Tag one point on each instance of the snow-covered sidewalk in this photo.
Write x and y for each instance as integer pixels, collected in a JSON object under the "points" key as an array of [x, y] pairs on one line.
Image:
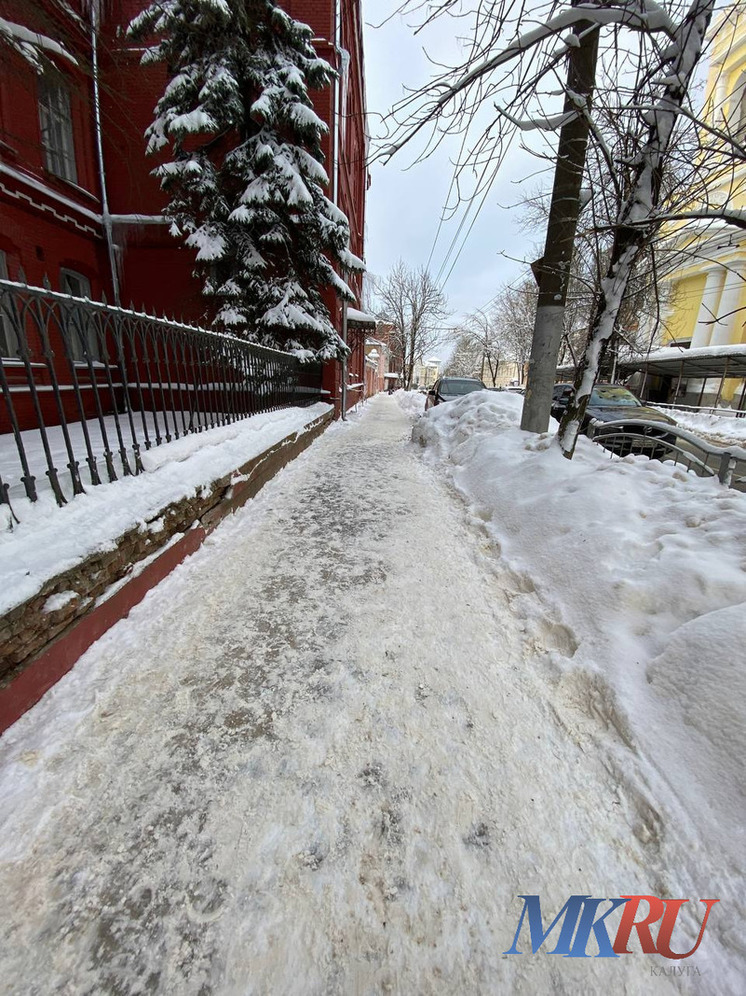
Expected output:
{"points": [[319, 759]]}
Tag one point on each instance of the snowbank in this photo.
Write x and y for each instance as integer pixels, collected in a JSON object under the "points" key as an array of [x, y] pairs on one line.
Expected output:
{"points": [[412, 402], [633, 581], [50, 540], [725, 427]]}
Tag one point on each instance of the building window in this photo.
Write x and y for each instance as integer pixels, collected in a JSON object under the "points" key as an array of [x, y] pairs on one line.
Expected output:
{"points": [[57, 130], [8, 337], [81, 328]]}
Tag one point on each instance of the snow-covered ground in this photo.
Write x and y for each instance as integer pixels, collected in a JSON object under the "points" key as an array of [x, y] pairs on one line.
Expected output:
{"points": [[48, 539], [725, 428], [328, 753], [636, 571], [11, 469]]}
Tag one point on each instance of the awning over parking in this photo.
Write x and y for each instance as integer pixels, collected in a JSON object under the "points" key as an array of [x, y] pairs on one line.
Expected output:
{"points": [[705, 361]]}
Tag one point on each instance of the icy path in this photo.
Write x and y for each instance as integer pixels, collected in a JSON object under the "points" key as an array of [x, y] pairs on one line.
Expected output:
{"points": [[314, 760]]}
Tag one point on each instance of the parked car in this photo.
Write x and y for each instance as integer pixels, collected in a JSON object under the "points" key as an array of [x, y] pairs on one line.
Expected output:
{"points": [[611, 402], [450, 388]]}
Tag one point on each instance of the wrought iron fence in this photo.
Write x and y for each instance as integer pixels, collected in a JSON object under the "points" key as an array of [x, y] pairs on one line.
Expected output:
{"points": [[83, 383], [661, 441]]}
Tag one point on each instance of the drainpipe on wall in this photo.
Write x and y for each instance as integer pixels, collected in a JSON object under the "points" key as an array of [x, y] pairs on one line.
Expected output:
{"points": [[105, 216], [337, 100], [335, 183], [344, 362]]}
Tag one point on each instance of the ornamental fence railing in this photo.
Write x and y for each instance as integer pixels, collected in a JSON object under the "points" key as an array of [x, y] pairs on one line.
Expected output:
{"points": [[671, 443], [720, 411], [86, 388]]}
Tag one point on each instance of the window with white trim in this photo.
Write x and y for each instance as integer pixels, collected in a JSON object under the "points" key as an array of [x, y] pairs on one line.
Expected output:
{"points": [[82, 339], [55, 119], [8, 337]]}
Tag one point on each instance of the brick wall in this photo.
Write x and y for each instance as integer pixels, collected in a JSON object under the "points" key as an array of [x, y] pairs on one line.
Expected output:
{"points": [[50, 224]]}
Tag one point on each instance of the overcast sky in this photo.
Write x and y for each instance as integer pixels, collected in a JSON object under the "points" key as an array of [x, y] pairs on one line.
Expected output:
{"points": [[405, 201]]}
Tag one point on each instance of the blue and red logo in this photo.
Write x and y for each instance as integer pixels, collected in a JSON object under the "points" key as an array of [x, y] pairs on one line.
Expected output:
{"points": [[580, 915]]}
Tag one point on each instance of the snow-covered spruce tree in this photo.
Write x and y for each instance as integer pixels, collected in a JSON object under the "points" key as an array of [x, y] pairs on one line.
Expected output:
{"points": [[245, 175]]}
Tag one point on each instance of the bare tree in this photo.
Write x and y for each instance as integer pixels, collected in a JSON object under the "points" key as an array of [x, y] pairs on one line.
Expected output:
{"points": [[467, 358], [514, 314], [480, 330], [643, 133], [414, 304], [639, 216]]}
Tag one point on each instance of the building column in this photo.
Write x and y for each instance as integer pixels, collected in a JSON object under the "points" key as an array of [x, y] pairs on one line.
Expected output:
{"points": [[704, 326], [720, 97], [723, 331]]}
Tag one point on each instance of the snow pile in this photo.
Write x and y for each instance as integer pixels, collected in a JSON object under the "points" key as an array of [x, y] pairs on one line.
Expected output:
{"points": [[411, 402], [50, 540], [632, 580], [723, 427]]}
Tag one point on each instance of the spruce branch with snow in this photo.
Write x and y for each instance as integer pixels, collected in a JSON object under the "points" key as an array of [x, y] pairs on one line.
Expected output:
{"points": [[47, 36], [245, 174]]}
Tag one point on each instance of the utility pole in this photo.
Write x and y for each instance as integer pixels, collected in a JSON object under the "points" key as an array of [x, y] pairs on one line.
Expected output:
{"points": [[552, 271]]}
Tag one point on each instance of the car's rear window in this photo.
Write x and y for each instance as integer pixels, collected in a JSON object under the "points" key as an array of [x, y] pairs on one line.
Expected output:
{"points": [[613, 397], [460, 386]]}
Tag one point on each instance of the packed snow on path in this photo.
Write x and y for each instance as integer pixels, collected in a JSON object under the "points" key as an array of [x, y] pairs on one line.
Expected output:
{"points": [[326, 756]]}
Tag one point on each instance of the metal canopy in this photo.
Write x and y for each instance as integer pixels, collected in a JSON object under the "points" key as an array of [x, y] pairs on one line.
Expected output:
{"points": [[707, 361]]}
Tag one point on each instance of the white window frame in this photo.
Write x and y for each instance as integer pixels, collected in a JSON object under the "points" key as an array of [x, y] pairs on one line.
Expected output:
{"points": [[83, 333], [8, 337], [56, 124]]}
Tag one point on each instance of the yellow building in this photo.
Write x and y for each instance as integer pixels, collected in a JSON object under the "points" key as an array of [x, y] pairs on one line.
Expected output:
{"points": [[426, 373], [706, 303], [508, 375]]}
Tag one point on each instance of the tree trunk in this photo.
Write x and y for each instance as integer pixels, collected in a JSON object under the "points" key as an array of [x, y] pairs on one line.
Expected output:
{"points": [[554, 268], [631, 236]]}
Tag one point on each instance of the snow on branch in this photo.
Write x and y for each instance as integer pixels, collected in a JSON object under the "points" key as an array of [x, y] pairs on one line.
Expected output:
{"points": [[730, 216], [641, 16], [553, 123], [639, 218], [29, 43]]}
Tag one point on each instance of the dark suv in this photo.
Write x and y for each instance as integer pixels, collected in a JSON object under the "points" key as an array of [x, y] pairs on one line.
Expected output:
{"points": [[611, 402], [450, 388]]}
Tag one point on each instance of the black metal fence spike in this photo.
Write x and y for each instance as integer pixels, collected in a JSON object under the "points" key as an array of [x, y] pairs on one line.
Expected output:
{"points": [[102, 381], [46, 282], [21, 275]]}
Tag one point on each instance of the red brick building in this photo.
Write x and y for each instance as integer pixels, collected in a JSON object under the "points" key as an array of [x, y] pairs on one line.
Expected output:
{"points": [[78, 204]]}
